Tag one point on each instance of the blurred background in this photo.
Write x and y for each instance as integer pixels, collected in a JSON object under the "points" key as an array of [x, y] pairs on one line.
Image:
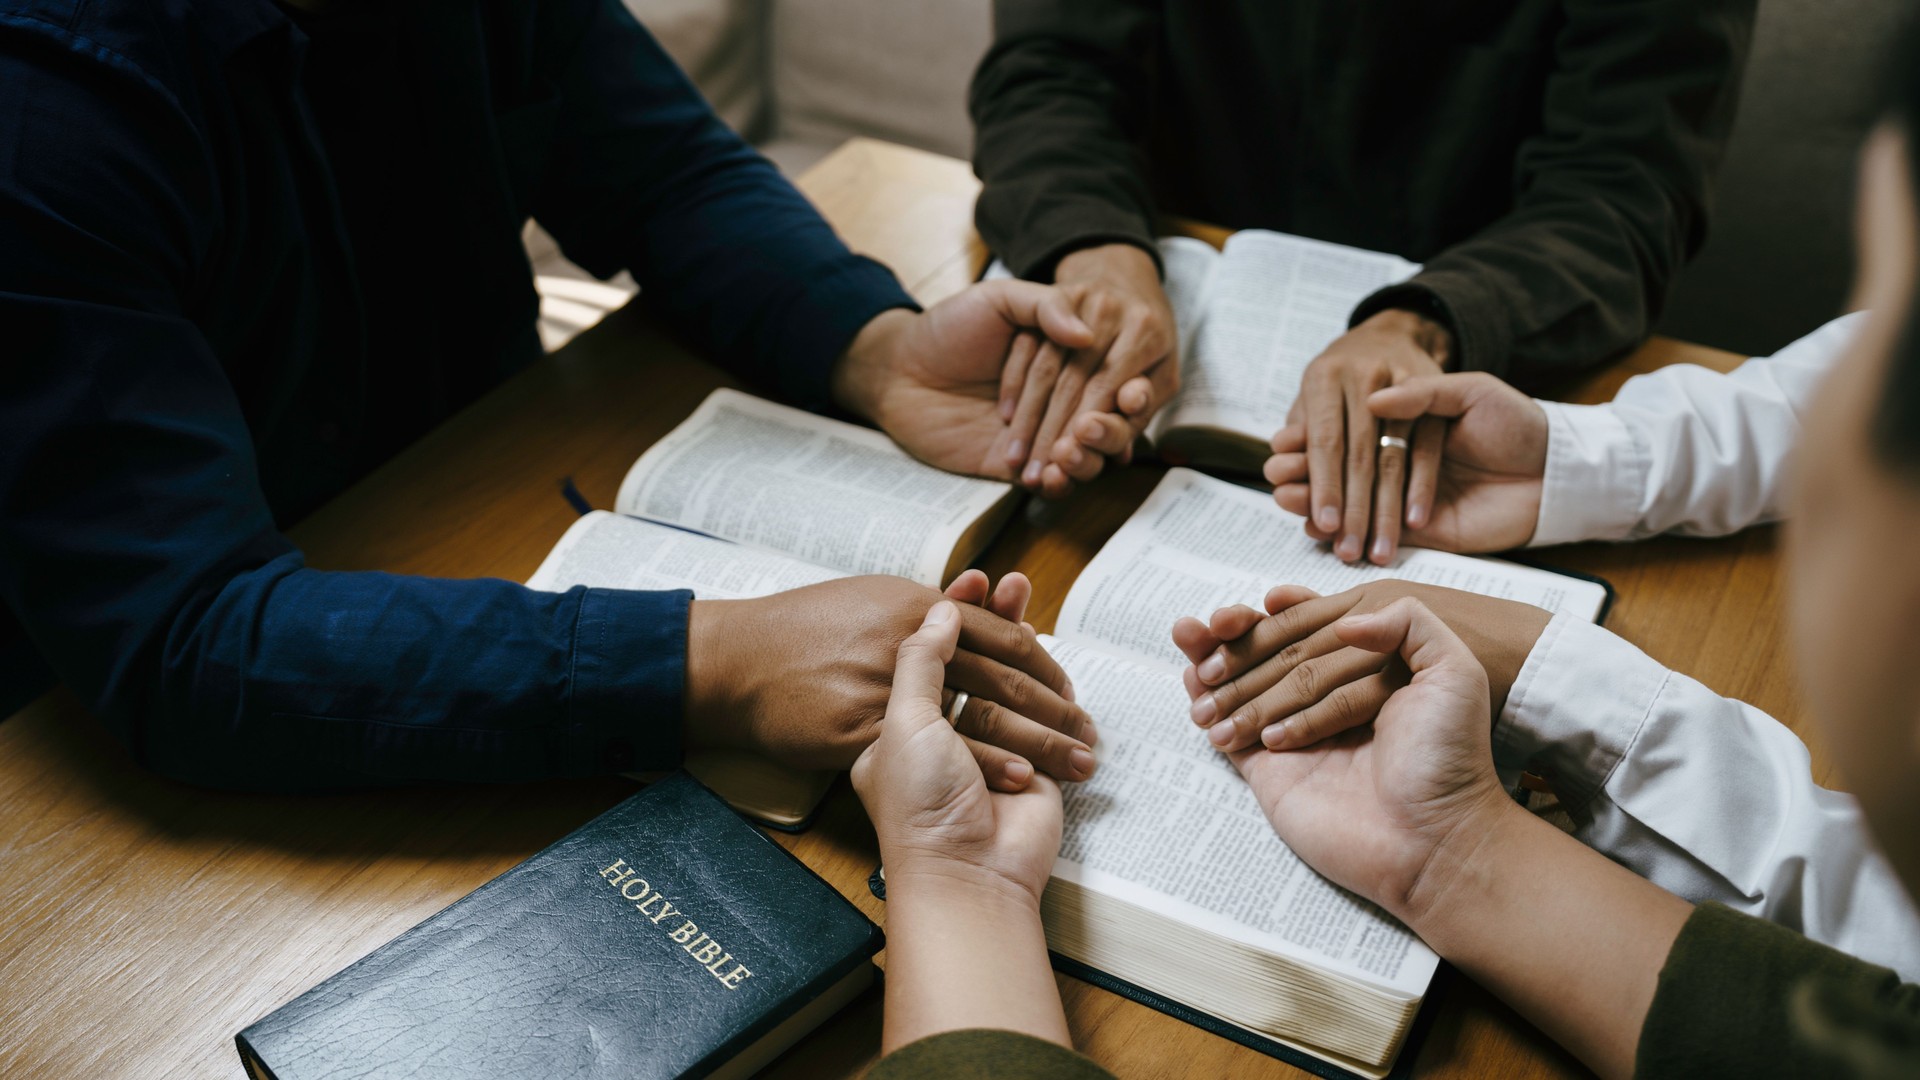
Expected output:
{"points": [[798, 77]]}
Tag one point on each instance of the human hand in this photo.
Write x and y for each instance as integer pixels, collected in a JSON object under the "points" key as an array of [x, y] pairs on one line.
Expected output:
{"points": [[1474, 488], [803, 676], [1375, 809], [1288, 679], [1072, 410], [1356, 488], [926, 794], [932, 380]]}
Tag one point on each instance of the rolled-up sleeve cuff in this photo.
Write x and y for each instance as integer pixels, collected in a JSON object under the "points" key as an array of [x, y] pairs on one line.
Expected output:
{"points": [[828, 315], [628, 683], [1579, 702], [1595, 480], [1482, 334]]}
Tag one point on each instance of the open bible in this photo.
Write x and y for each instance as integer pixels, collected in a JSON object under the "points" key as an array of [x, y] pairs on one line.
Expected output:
{"points": [[1169, 878], [1250, 318], [748, 498]]}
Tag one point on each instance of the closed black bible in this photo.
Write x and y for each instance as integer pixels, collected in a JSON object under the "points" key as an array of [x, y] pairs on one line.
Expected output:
{"points": [[666, 937]]}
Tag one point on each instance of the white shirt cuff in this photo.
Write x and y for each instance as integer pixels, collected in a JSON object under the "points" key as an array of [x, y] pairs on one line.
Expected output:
{"points": [[1595, 479], [1576, 708]]}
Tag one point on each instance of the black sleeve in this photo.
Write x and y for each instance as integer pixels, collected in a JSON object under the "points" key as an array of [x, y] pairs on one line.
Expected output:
{"points": [[647, 178], [1741, 997], [977, 1053], [1060, 109], [1612, 195]]}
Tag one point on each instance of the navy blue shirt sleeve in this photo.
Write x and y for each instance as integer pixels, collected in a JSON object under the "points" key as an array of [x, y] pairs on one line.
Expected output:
{"points": [[136, 547], [645, 177]]}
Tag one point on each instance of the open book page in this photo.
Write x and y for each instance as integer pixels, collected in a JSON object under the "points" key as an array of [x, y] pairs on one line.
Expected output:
{"points": [[820, 490], [1275, 302], [1168, 825], [1198, 544], [608, 551], [1188, 266]]}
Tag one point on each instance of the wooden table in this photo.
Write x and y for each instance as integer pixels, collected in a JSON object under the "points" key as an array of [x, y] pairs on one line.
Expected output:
{"points": [[143, 922]]}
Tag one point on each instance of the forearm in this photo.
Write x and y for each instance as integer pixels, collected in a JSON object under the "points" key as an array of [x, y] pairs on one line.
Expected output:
{"points": [[964, 951], [1705, 796], [645, 177], [1570, 940], [1612, 191], [287, 678], [1060, 106], [1684, 449]]}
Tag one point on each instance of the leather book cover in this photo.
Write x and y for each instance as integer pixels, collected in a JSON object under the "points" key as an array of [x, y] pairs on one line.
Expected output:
{"points": [[663, 938]]}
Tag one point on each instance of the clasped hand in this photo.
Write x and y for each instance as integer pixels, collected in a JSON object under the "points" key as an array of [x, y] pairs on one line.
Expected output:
{"points": [[928, 797], [946, 384], [1383, 809], [1470, 480], [803, 676]]}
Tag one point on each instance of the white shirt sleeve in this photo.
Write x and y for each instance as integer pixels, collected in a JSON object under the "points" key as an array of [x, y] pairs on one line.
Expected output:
{"points": [[1682, 449], [1707, 797]]}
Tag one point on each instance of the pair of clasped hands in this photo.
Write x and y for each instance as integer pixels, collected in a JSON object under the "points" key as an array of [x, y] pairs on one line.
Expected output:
{"points": [[1071, 402]]}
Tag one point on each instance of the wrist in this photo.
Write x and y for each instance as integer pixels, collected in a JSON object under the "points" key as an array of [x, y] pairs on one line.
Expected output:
{"points": [[937, 881], [1106, 262], [1471, 867], [713, 699], [860, 375], [1427, 333]]}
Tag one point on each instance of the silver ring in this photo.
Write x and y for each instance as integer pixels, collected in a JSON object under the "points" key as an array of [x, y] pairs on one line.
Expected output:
{"points": [[960, 699], [1392, 442]]}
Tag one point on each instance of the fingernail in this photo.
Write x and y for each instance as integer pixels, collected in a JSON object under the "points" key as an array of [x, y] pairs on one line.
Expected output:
{"points": [[1212, 669], [1031, 475], [1082, 760], [1275, 736], [1089, 735], [940, 613], [1016, 452], [1349, 548], [1416, 516], [1205, 708], [1006, 410], [1358, 620], [1382, 551], [1019, 772], [1220, 734], [1329, 518]]}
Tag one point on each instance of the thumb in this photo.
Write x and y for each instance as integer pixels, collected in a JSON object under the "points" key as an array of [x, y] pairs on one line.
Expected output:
{"points": [[1411, 629], [1032, 305], [1435, 395], [920, 668]]}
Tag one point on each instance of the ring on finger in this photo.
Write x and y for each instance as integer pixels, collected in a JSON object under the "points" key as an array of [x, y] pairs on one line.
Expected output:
{"points": [[1393, 442], [958, 706]]}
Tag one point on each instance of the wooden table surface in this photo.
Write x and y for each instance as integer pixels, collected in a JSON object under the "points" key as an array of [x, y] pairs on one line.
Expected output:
{"points": [[143, 922]]}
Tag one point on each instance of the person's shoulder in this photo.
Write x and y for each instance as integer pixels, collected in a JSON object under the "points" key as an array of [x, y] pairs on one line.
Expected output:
{"points": [[170, 46]]}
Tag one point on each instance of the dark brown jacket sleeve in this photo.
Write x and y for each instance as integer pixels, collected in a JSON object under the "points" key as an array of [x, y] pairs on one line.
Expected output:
{"points": [[985, 1055], [1060, 106], [1611, 196], [1740, 997]]}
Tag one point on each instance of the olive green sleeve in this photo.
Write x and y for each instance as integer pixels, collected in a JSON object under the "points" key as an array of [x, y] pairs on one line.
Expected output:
{"points": [[1739, 996], [984, 1054]]}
